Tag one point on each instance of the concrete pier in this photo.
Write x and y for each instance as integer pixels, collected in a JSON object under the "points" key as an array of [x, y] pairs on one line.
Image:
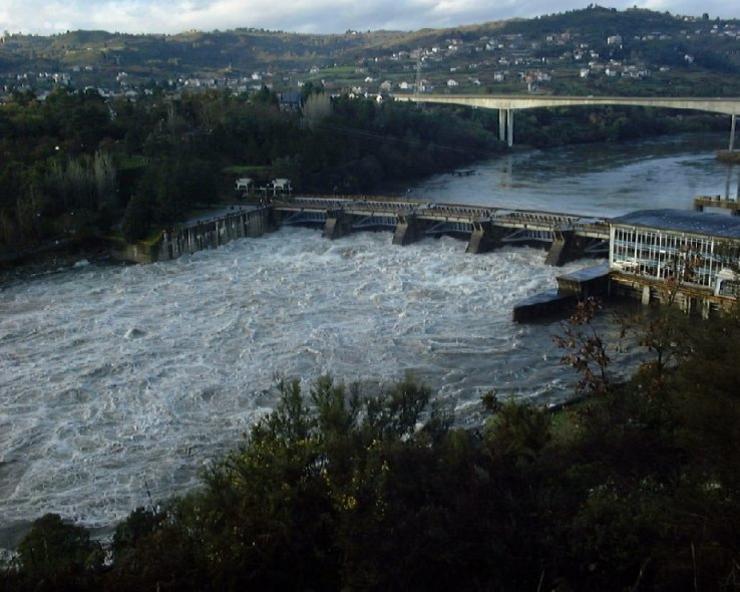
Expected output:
{"points": [[562, 249], [572, 287], [510, 127], [337, 224], [484, 238], [587, 282], [506, 126], [408, 230], [732, 133], [206, 231], [541, 306]]}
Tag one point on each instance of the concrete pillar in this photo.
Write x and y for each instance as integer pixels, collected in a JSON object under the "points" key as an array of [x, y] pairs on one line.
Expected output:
{"points": [[484, 238], [645, 295], [502, 124], [706, 308], [727, 183], [732, 132], [408, 230], [564, 248], [255, 226], [510, 127], [337, 224]]}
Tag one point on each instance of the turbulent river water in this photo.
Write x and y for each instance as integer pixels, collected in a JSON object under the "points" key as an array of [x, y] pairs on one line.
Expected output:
{"points": [[117, 383]]}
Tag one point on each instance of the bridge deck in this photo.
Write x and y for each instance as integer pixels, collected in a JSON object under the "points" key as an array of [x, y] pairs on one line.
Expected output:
{"points": [[725, 105]]}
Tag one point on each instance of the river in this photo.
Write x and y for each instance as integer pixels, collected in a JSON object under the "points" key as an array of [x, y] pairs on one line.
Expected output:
{"points": [[121, 382], [595, 179]]}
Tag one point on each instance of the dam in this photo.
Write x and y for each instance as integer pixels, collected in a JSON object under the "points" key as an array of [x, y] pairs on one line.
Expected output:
{"points": [[648, 251]]}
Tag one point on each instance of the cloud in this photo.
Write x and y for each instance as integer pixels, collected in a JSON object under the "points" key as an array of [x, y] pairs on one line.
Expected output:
{"points": [[172, 16]]}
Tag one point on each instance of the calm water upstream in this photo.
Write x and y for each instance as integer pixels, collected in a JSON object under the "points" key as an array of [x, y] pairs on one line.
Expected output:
{"points": [[118, 380], [602, 180]]}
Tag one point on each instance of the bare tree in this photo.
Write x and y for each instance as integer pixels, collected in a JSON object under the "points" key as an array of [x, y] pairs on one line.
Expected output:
{"points": [[585, 350]]}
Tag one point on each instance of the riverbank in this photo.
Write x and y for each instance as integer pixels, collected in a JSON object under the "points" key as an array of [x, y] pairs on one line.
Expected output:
{"points": [[55, 257]]}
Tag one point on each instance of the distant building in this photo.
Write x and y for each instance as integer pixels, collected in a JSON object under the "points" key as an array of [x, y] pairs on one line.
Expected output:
{"points": [[614, 40], [281, 186], [243, 184], [452, 83]]}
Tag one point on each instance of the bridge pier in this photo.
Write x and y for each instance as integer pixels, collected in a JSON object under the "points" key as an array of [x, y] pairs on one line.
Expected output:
{"points": [[510, 127], [484, 238], [506, 126], [408, 230], [337, 224], [732, 132]]}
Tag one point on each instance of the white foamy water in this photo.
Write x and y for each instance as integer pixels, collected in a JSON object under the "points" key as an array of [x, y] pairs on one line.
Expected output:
{"points": [[118, 379]]}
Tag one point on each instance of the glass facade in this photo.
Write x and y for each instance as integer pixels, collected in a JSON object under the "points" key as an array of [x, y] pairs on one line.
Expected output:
{"points": [[661, 254]]}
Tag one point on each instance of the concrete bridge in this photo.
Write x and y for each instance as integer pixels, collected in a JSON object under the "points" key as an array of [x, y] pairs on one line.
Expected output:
{"points": [[507, 104], [566, 237]]}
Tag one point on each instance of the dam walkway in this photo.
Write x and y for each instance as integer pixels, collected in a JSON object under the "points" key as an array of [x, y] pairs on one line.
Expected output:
{"points": [[565, 236]]}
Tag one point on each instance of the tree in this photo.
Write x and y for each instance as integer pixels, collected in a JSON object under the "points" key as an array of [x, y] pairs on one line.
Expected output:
{"points": [[55, 555], [585, 350]]}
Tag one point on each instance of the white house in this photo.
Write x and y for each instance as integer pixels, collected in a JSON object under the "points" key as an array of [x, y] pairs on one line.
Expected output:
{"points": [[452, 83], [243, 184], [281, 186]]}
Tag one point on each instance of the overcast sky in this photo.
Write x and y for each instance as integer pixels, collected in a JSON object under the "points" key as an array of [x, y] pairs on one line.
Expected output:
{"points": [[315, 16]]}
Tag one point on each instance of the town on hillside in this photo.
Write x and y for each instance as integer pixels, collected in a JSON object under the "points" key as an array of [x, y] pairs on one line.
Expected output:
{"points": [[591, 51]]}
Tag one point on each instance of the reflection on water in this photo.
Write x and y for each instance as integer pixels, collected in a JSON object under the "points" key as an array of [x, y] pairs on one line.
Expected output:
{"points": [[595, 179]]}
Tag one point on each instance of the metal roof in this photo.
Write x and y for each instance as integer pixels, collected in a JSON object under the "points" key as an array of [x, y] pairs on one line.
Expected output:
{"points": [[722, 225]]}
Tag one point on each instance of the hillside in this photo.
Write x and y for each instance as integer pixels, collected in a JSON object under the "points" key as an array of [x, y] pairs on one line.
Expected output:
{"points": [[590, 51]]}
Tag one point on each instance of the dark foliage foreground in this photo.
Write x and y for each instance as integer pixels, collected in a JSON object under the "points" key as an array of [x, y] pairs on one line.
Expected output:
{"points": [[635, 489]]}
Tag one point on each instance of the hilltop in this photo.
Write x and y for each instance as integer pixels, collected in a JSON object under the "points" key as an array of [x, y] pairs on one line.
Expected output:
{"points": [[586, 51]]}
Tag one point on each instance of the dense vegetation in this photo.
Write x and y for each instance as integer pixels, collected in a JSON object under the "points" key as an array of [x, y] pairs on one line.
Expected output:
{"points": [[76, 166], [635, 488]]}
